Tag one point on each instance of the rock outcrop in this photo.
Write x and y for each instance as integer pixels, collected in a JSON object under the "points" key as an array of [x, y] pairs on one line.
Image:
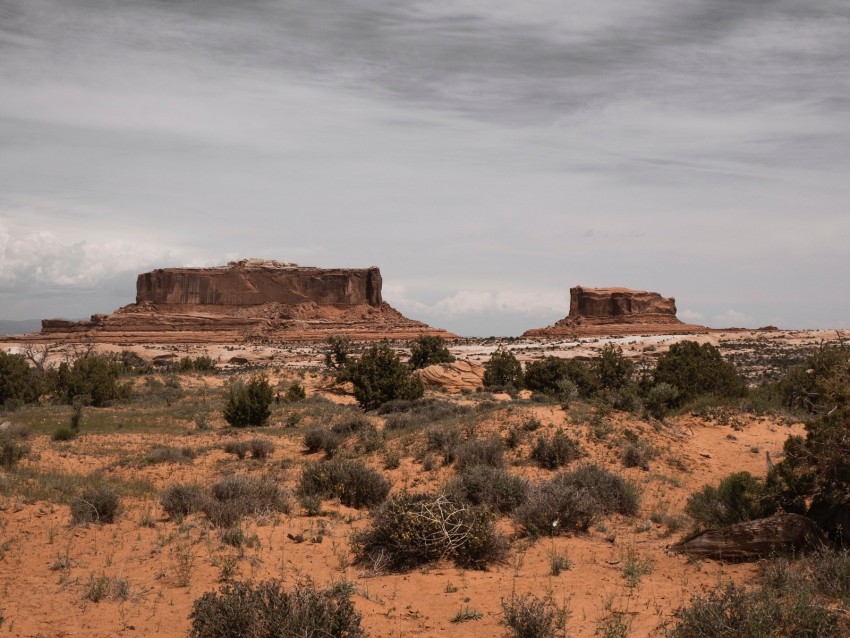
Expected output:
{"points": [[616, 311], [453, 377], [248, 300]]}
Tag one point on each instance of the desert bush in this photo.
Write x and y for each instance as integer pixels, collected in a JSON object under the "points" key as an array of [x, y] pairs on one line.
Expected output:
{"points": [[202, 363], [552, 508], [613, 493], [378, 376], [294, 393], [318, 438], [737, 498], [660, 399], [352, 482], [503, 369], [12, 450], [555, 451], [351, 424], [370, 439], [636, 452], [730, 611], [490, 452], [98, 505], [94, 377], [414, 529], [238, 448], [528, 616], [443, 439], [234, 497], [400, 421], [181, 499], [572, 500], [168, 454], [249, 403], [425, 410], [428, 350], [63, 434], [266, 610], [260, 447], [829, 570], [821, 383], [695, 370], [490, 486], [18, 381]]}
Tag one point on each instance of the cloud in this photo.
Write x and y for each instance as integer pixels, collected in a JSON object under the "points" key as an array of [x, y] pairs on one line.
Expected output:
{"points": [[38, 262], [690, 315], [733, 319], [477, 302]]}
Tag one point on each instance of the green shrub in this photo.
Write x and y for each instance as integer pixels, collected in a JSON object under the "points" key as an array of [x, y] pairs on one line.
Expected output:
{"points": [[11, 450], [503, 369], [318, 438], [294, 393], [378, 376], [181, 500], [490, 452], [528, 616], [410, 530], [94, 377], [613, 493], [546, 375], [490, 486], [696, 370], [738, 498], [64, 434], [352, 482], [555, 451], [266, 610], [428, 350], [98, 505], [18, 381], [660, 399], [249, 403], [613, 370]]}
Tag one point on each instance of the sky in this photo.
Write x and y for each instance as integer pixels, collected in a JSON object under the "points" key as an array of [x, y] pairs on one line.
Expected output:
{"points": [[487, 155]]}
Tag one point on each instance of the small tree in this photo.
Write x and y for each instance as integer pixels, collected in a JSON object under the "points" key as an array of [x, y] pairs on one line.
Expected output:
{"points": [[339, 348], [612, 368], [17, 379], [428, 350], [380, 376], [695, 369], [94, 377], [546, 375], [503, 369], [249, 403]]}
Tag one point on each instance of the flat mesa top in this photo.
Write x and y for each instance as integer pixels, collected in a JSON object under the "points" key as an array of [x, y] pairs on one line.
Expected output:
{"points": [[255, 264], [604, 291]]}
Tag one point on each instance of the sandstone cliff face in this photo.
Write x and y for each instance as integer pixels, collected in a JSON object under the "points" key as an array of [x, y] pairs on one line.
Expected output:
{"points": [[616, 311], [254, 300], [256, 282]]}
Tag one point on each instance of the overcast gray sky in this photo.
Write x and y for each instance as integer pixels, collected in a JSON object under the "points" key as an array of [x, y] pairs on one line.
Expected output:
{"points": [[487, 155]]}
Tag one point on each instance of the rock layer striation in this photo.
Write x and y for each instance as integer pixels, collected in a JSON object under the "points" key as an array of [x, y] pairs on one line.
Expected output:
{"points": [[248, 300], [616, 311]]}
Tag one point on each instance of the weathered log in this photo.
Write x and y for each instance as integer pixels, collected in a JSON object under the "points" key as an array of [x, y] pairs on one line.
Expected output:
{"points": [[753, 539]]}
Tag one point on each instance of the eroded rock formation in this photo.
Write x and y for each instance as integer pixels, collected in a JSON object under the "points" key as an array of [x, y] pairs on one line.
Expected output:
{"points": [[248, 300], [615, 311]]}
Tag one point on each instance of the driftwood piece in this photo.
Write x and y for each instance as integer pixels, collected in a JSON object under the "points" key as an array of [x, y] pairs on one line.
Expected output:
{"points": [[754, 539]]}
